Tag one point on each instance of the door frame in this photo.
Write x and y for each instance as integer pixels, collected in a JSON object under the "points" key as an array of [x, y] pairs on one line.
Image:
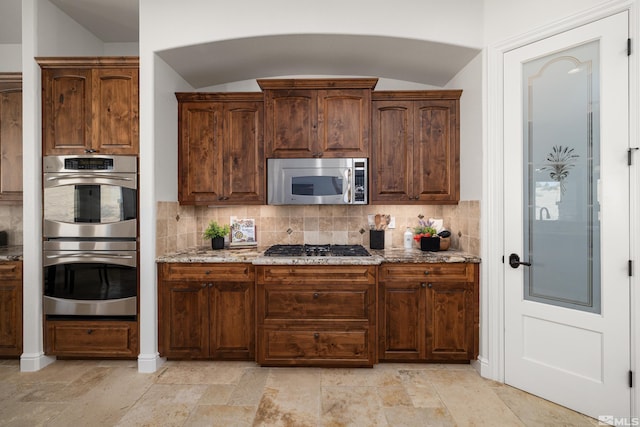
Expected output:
{"points": [[491, 362]]}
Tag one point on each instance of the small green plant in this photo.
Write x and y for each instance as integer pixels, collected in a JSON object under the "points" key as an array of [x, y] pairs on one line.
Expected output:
{"points": [[216, 230]]}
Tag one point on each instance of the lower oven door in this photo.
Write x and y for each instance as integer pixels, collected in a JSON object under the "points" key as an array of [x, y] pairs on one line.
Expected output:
{"points": [[90, 278]]}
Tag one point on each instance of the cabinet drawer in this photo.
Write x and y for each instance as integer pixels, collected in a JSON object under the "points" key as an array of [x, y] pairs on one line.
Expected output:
{"points": [[10, 270], [97, 339], [317, 274], [230, 272], [317, 302], [441, 271], [291, 346]]}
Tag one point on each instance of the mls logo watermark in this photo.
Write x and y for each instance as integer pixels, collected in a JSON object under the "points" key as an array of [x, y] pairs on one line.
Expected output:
{"points": [[610, 420]]}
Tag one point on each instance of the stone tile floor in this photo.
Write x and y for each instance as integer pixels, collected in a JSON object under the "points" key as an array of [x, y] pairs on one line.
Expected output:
{"points": [[232, 394]]}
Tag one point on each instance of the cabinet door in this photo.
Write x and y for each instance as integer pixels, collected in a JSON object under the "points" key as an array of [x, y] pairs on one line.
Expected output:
{"points": [[291, 125], [200, 153], [402, 334], [232, 321], [344, 122], [243, 162], [436, 156], [66, 111], [10, 143], [115, 110], [450, 321], [91, 338], [391, 152], [184, 320], [10, 318]]}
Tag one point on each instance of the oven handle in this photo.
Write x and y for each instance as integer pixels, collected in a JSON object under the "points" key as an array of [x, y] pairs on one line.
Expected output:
{"points": [[67, 257], [94, 175]]}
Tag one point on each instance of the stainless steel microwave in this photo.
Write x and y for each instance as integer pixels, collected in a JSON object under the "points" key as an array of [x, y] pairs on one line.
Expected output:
{"points": [[317, 181]]}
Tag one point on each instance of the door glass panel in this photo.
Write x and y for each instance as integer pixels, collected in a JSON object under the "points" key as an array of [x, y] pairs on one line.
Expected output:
{"points": [[561, 178]]}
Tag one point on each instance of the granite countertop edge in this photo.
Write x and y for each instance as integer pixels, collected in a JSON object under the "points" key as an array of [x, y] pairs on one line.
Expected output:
{"points": [[11, 253], [256, 256]]}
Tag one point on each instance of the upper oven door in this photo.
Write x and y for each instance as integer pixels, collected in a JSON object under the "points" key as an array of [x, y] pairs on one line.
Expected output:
{"points": [[90, 204]]}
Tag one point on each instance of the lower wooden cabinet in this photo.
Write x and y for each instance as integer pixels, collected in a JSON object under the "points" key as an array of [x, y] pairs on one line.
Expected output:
{"points": [[316, 315], [91, 338], [10, 308], [428, 312], [206, 311]]}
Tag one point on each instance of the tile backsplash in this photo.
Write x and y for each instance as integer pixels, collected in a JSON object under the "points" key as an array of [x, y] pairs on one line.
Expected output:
{"points": [[11, 222], [180, 227]]}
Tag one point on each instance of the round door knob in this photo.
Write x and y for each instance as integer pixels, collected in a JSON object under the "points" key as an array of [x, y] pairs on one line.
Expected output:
{"points": [[316, 295], [89, 331], [426, 273], [424, 285], [316, 335], [430, 285], [204, 285]]}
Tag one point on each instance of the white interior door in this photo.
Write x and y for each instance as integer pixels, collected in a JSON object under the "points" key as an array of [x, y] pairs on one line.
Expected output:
{"points": [[567, 315]]}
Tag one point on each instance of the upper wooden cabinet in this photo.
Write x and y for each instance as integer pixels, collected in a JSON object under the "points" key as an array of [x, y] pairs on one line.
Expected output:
{"points": [[10, 137], [415, 154], [221, 150], [317, 117], [90, 105]]}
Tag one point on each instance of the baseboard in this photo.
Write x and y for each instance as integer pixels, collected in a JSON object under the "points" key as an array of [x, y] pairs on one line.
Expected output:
{"points": [[149, 363], [482, 366], [32, 362]]}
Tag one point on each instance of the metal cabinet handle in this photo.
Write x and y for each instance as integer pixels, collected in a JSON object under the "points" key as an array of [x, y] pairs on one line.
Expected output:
{"points": [[316, 295], [316, 335], [424, 285], [89, 331], [426, 273]]}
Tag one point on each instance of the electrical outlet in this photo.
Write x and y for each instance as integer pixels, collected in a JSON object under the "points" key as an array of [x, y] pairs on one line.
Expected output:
{"points": [[392, 222]]}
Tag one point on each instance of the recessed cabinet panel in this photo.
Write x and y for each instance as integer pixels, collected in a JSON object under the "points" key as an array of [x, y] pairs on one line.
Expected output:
{"points": [[10, 137], [67, 108], [292, 127], [116, 109]]}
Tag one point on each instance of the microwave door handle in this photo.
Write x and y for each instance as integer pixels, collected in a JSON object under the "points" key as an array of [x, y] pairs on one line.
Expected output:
{"points": [[347, 193]]}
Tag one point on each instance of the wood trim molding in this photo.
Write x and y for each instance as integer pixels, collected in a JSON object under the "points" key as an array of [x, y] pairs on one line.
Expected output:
{"points": [[219, 96], [317, 83], [410, 95], [89, 61]]}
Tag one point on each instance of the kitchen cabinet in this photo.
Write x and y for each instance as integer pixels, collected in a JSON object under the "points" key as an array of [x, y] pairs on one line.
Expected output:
{"points": [[316, 315], [10, 137], [415, 156], [206, 311], [90, 105], [428, 312], [92, 338], [317, 117], [221, 151], [10, 308]]}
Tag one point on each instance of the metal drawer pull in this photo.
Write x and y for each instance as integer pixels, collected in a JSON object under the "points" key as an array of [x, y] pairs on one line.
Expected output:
{"points": [[426, 273], [316, 335], [316, 295]]}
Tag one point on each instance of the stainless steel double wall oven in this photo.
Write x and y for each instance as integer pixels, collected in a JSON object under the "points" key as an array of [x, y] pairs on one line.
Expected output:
{"points": [[90, 257]]}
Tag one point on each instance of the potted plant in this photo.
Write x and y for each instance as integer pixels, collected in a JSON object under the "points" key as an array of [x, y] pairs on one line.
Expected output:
{"points": [[427, 235], [216, 233]]}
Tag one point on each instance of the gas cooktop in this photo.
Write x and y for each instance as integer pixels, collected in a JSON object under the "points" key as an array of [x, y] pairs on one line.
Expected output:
{"points": [[316, 250]]}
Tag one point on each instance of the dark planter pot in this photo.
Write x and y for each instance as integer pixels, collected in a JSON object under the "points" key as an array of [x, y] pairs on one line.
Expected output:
{"points": [[217, 243], [430, 243]]}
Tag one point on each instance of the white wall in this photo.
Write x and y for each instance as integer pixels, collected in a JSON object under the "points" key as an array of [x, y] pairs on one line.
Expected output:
{"points": [[11, 55], [121, 49], [504, 19], [195, 21], [469, 79]]}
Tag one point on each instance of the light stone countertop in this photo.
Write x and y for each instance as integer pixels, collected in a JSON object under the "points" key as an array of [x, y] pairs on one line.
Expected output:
{"points": [[205, 254], [11, 253]]}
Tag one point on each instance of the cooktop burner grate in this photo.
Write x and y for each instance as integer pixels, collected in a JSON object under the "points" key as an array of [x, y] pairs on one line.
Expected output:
{"points": [[316, 250]]}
